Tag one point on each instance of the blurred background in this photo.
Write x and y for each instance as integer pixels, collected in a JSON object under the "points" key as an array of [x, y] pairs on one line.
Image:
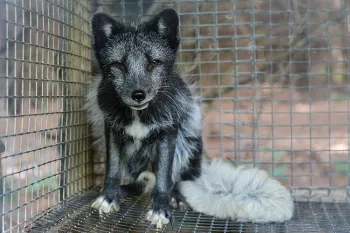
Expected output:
{"points": [[273, 77]]}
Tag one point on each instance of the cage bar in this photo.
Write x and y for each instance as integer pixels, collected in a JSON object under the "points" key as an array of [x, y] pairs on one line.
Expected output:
{"points": [[273, 78]]}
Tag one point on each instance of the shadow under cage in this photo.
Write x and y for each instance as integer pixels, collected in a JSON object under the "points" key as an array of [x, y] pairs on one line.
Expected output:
{"points": [[272, 76]]}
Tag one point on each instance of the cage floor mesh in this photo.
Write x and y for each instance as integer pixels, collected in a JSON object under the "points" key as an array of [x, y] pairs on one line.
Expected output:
{"points": [[75, 215]]}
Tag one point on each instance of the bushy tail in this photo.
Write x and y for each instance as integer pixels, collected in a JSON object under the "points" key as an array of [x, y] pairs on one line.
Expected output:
{"points": [[244, 194], [238, 193]]}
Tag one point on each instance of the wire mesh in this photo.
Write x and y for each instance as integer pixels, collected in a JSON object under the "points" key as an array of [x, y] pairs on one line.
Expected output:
{"points": [[76, 216], [45, 62], [273, 76]]}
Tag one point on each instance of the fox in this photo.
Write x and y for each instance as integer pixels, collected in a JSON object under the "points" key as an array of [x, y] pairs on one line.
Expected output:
{"points": [[148, 121]]}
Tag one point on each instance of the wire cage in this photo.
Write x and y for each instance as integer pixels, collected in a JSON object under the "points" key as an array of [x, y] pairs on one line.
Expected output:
{"points": [[273, 77]]}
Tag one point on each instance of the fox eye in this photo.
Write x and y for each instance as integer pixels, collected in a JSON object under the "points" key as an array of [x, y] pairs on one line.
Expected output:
{"points": [[154, 64], [116, 64]]}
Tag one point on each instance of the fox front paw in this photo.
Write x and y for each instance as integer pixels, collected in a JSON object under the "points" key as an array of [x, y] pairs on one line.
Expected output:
{"points": [[159, 218], [104, 206]]}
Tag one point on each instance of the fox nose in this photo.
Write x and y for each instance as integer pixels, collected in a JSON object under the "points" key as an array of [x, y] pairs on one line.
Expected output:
{"points": [[138, 95]]}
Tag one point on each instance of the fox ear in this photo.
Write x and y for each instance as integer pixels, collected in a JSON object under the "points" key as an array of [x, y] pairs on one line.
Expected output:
{"points": [[103, 26], [166, 23]]}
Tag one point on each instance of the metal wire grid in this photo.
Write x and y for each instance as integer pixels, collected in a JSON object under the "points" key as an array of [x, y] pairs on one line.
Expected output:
{"points": [[45, 61], [258, 65], [273, 76], [75, 216]]}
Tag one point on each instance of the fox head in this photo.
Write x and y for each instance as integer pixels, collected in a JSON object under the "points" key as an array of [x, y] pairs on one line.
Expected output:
{"points": [[136, 59]]}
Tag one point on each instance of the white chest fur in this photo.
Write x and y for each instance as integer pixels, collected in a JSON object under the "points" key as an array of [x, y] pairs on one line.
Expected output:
{"points": [[137, 130]]}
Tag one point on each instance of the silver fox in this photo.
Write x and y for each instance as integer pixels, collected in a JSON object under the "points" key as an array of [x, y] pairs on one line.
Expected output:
{"points": [[147, 119]]}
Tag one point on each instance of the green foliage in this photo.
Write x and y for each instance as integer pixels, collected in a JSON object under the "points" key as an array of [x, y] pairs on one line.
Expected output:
{"points": [[338, 97], [279, 171], [342, 167], [276, 153], [48, 182], [339, 76], [11, 197]]}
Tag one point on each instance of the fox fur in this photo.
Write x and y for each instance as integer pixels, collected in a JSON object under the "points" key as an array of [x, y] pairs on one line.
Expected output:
{"points": [[147, 120]]}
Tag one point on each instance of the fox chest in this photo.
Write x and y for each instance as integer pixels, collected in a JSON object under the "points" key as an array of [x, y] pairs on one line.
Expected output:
{"points": [[137, 132]]}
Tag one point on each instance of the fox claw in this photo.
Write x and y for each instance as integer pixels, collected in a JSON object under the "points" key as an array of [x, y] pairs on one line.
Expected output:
{"points": [[158, 218], [104, 206]]}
